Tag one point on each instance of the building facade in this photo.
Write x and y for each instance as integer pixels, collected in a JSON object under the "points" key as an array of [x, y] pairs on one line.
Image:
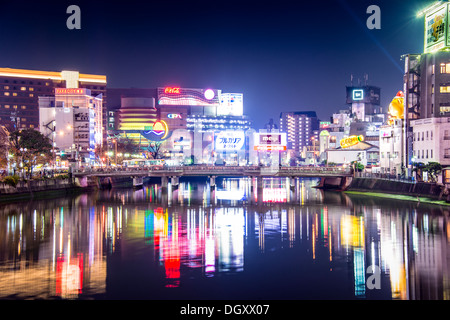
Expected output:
{"points": [[302, 129], [20, 90], [73, 121]]}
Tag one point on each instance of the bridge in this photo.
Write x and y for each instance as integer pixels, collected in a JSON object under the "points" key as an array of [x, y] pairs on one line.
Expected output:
{"points": [[330, 176]]}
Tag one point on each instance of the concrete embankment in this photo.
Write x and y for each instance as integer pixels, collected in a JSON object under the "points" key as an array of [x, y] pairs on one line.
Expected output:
{"points": [[380, 186], [56, 186]]}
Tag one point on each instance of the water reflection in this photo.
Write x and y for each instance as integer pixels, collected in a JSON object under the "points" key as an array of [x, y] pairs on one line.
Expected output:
{"points": [[297, 243]]}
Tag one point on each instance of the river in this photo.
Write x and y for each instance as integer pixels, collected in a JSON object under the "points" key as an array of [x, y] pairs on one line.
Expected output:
{"points": [[193, 243]]}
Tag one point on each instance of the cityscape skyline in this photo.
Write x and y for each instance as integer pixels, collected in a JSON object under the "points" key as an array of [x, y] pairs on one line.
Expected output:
{"points": [[303, 54]]}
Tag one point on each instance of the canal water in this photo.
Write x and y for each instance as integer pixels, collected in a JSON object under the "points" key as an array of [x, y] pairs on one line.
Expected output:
{"points": [[191, 242]]}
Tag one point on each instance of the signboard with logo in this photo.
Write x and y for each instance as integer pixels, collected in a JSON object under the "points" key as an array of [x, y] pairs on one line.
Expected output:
{"points": [[436, 29], [270, 141], [176, 96], [229, 141], [81, 91]]}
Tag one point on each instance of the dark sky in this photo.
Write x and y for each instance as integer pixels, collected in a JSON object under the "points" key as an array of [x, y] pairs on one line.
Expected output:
{"points": [[282, 55]]}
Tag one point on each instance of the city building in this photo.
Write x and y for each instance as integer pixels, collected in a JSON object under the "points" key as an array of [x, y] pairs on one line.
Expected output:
{"points": [[73, 120], [302, 129], [427, 91], [391, 146], [20, 90], [362, 152], [431, 140]]}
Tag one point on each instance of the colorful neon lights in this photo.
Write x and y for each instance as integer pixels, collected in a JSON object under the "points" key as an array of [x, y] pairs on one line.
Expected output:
{"points": [[351, 141], [174, 90], [160, 128], [209, 94], [174, 116], [70, 91]]}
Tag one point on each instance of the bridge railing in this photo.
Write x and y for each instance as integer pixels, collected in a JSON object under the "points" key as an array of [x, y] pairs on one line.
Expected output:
{"points": [[210, 168]]}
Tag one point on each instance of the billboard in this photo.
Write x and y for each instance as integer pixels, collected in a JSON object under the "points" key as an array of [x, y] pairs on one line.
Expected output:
{"points": [[176, 96], [229, 140], [435, 29], [364, 94], [270, 141], [231, 104]]}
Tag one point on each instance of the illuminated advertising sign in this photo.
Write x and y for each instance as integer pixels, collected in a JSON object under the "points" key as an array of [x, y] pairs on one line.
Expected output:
{"points": [[158, 131], [70, 91], [358, 94], [174, 116], [364, 94], [435, 29], [270, 141], [351, 141], [229, 141], [175, 96], [231, 104], [173, 90]]}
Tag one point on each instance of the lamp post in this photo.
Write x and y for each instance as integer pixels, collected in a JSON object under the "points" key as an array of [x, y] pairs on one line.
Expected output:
{"points": [[22, 150], [115, 150]]}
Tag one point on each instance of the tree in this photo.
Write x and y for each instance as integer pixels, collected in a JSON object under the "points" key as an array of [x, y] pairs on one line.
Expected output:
{"points": [[154, 148], [433, 169], [4, 147], [31, 148]]}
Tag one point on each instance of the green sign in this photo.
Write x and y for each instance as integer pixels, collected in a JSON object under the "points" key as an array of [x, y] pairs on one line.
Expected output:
{"points": [[437, 36]]}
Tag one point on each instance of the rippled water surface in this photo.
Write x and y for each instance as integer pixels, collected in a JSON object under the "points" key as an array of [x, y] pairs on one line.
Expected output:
{"points": [[284, 242]]}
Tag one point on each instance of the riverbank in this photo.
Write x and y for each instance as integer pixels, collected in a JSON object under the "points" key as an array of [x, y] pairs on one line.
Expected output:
{"points": [[430, 193]]}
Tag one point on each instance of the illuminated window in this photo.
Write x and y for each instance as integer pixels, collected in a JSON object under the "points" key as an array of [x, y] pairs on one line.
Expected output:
{"points": [[24, 119], [445, 89], [6, 87], [6, 93], [23, 107], [23, 88], [15, 106], [444, 109], [6, 106], [15, 94], [31, 89], [445, 67], [31, 125], [31, 95]]}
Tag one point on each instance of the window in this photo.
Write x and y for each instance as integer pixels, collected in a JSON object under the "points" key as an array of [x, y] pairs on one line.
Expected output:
{"points": [[414, 137], [427, 135], [31, 95], [6, 87], [15, 94], [445, 67], [431, 135], [6, 93], [23, 107], [426, 154], [6, 106], [31, 89], [431, 153], [23, 88]]}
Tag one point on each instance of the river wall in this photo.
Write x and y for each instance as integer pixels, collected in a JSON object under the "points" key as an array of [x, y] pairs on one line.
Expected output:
{"points": [[49, 187], [423, 189]]}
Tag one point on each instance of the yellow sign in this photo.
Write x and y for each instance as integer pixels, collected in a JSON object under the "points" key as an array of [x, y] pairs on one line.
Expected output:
{"points": [[351, 141], [396, 108]]}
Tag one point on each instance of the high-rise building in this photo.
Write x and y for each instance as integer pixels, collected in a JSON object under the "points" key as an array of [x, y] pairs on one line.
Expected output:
{"points": [[21, 88], [302, 128]]}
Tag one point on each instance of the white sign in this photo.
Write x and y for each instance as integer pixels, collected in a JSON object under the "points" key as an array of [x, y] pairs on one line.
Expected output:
{"points": [[230, 140]]}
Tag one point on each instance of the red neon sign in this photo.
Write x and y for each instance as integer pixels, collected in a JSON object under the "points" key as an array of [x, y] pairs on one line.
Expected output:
{"points": [[175, 90]]}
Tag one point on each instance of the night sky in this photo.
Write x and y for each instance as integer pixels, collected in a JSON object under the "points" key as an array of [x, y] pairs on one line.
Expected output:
{"points": [[282, 55]]}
